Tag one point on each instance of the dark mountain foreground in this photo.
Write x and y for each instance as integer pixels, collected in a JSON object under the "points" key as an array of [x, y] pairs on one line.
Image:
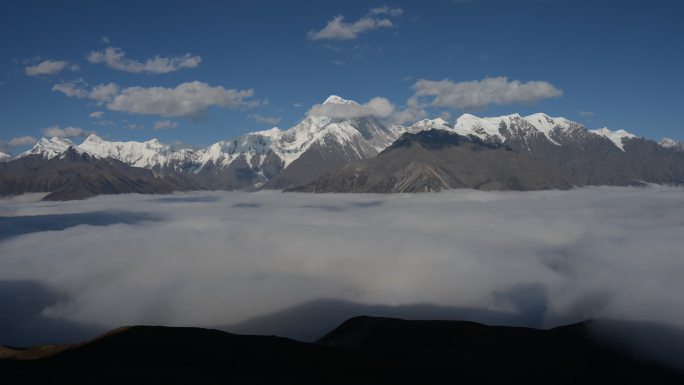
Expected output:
{"points": [[77, 175], [363, 350]]}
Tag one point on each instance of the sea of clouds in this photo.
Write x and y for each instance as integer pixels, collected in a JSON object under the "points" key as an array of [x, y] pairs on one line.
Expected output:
{"points": [[217, 258]]}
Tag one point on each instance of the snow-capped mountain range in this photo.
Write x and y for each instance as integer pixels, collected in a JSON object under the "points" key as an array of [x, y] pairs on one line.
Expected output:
{"points": [[359, 153], [365, 137]]}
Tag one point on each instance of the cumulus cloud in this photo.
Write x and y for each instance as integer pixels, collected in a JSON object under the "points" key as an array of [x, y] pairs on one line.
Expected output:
{"points": [[272, 120], [66, 132], [164, 124], [79, 89], [116, 58], [378, 106], [22, 141], [338, 29], [186, 99], [219, 258], [189, 100], [49, 67], [97, 114], [480, 93]]}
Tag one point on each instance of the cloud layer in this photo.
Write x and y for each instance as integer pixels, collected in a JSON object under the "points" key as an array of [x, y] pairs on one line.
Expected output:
{"points": [[116, 58], [218, 258], [477, 94]]}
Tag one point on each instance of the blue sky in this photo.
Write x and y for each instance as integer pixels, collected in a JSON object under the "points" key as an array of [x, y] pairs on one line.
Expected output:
{"points": [[202, 71]]}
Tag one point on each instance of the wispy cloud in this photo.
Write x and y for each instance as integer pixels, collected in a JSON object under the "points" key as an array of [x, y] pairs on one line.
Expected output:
{"points": [[18, 141], [338, 29], [164, 124], [272, 120], [66, 132], [116, 58], [477, 94], [49, 67]]}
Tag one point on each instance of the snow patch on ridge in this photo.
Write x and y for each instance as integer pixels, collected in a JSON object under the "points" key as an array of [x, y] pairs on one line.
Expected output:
{"points": [[617, 137]]}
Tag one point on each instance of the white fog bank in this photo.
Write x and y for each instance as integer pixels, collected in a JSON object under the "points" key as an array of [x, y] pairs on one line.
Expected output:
{"points": [[219, 258]]}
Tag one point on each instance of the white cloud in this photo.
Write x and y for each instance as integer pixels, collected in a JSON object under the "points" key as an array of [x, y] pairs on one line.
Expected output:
{"points": [[104, 40], [164, 124], [408, 115], [116, 58], [104, 92], [337, 29], [97, 114], [21, 141], [190, 100], [79, 89], [480, 93], [49, 67], [72, 89], [66, 132], [586, 114], [378, 106], [297, 105], [385, 10], [265, 119]]}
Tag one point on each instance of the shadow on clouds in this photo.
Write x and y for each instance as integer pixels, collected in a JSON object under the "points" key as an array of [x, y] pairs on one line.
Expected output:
{"points": [[22, 322], [20, 225]]}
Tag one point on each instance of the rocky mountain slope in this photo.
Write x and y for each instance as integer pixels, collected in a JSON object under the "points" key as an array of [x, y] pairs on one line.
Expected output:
{"points": [[438, 159], [508, 153]]}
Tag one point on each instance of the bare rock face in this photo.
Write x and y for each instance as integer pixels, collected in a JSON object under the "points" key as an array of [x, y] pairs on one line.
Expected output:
{"points": [[436, 160]]}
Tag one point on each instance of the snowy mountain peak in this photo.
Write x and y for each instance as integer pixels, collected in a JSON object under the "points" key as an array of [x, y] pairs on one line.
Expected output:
{"points": [[93, 138], [334, 99], [4, 157], [429, 124], [617, 137], [483, 128], [50, 148]]}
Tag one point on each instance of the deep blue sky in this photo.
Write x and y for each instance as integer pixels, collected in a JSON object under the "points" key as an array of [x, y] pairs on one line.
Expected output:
{"points": [[618, 62]]}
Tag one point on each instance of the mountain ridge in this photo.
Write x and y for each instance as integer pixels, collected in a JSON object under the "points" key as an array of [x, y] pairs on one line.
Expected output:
{"points": [[565, 152], [360, 350]]}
